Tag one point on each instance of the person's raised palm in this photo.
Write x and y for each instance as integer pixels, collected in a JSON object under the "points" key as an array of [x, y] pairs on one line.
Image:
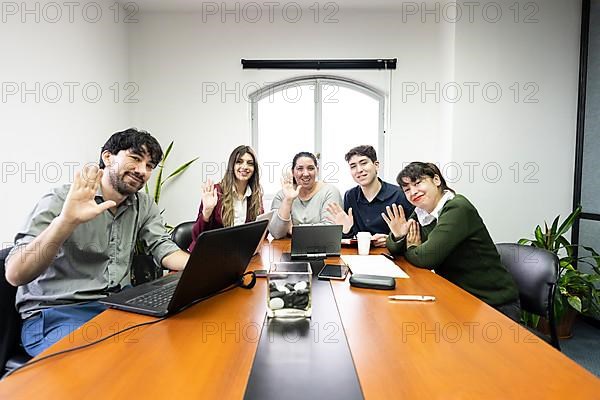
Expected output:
{"points": [[287, 186], [338, 216], [396, 221], [209, 197], [413, 237], [80, 205]]}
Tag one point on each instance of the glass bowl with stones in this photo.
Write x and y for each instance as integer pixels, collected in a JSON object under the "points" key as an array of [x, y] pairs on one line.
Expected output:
{"points": [[289, 290]]}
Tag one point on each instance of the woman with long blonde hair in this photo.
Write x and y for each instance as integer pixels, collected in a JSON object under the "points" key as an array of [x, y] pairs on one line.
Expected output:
{"points": [[235, 200]]}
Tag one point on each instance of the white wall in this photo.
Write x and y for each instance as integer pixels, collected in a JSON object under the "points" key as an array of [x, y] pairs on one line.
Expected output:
{"points": [[175, 56], [45, 139], [535, 139], [170, 57]]}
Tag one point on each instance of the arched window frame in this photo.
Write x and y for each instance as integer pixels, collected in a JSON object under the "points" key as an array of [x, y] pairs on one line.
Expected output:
{"points": [[318, 81]]}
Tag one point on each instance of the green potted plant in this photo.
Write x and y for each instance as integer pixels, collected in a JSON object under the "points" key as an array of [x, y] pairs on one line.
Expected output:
{"points": [[159, 181], [144, 269], [577, 291]]}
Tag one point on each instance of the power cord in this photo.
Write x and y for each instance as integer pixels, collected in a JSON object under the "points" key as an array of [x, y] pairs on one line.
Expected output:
{"points": [[30, 363], [240, 283]]}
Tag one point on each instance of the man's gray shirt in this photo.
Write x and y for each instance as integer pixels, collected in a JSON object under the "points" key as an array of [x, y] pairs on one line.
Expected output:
{"points": [[98, 254]]}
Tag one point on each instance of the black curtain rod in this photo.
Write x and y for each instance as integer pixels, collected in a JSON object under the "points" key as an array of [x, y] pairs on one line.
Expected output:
{"points": [[374, 63]]}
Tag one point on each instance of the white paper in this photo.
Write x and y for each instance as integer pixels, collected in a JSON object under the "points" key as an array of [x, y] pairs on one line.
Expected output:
{"points": [[373, 265]]}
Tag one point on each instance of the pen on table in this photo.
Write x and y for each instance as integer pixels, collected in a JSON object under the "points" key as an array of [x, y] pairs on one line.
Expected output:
{"points": [[388, 256], [412, 297]]}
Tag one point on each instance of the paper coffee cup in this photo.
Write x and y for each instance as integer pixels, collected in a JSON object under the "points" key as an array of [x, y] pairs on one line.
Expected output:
{"points": [[364, 243]]}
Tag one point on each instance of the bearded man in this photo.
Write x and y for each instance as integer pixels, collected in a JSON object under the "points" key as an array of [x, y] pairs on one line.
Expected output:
{"points": [[77, 244]]}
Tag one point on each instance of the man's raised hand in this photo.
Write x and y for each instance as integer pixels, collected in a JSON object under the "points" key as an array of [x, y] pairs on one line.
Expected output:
{"points": [[80, 205]]}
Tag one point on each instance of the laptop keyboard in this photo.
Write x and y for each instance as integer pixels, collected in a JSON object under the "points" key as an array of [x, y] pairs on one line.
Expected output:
{"points": [[157, 298]]}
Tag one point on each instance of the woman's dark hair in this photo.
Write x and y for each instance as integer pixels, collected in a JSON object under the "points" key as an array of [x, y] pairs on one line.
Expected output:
{"points": [[299, 155], [304, 154], [417, 170], [138, 141]]}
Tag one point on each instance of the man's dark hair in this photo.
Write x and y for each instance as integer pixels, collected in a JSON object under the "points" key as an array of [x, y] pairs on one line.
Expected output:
{"points": [[364, 150], [417, 170], [138, 141]]}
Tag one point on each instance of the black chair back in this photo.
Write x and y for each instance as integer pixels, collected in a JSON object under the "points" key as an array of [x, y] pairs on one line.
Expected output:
{"points": [[182, 234], [535, 272], [10, 321]]}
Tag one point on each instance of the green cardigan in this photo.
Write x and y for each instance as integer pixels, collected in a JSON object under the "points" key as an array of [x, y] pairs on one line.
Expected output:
{"points": [[459, 248]]}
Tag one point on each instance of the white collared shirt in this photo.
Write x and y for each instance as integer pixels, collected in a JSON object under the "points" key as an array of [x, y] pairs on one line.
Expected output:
{"points": [[240, 207], [426, 218]]}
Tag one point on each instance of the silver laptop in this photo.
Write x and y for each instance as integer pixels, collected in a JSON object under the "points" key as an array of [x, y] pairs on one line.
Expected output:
{"points": [[217, 262], [316, 241]]}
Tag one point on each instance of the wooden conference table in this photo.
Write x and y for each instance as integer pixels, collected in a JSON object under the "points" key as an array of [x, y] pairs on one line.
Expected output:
{"points": [[454, 348]]}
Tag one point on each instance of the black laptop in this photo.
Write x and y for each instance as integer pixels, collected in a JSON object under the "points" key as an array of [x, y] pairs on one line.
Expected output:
{"points": [[316, 241], [218, 260]]}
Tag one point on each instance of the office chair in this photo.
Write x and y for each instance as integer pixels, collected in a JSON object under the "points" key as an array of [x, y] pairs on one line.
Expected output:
{"points": [[182, 234], [12, 354], [144, 269], [535, 272]]}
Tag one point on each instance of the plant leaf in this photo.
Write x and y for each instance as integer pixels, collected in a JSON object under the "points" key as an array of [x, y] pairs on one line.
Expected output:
{"points": [[179, 170], [567, 223], [554, 225], [562, 241], [575, 302], [548, 238], [535, 320], [559, 306], [566, 265], [157, 186], [167, 152], [158, 180], [539, 236], [596, 258]]}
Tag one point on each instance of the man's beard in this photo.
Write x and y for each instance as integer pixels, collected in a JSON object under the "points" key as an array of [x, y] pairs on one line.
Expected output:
{"points": [[118, 183]]}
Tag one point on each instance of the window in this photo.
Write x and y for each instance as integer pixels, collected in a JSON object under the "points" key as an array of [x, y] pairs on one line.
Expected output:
{"points": [[324, 115]]}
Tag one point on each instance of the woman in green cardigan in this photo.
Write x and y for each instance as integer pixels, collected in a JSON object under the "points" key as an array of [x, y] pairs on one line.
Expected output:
{"points": [[446, 233]]}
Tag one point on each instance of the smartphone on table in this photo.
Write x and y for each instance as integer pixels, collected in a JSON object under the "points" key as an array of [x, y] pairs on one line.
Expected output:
{"points": [[334, 271]]}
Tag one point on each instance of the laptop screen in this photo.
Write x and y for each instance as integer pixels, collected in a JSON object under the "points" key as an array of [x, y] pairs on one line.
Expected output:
{"points": [[218, 260], [316, 240]]}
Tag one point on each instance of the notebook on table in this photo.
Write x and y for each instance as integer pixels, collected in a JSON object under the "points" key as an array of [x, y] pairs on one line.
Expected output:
{"points": [[218, 261]]}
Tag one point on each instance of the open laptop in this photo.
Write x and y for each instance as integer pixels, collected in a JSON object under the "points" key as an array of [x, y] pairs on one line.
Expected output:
{"points": [[316, 241], [218, 261]]}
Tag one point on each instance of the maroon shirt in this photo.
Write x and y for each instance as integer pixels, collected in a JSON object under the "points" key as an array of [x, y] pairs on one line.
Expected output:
{"points": [[216, 218]]}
